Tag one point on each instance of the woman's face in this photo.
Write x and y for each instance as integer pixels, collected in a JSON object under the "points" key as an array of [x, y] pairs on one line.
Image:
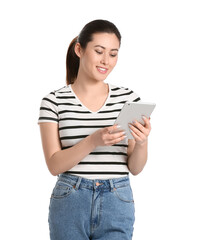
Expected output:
{"points": [[100, 56]]}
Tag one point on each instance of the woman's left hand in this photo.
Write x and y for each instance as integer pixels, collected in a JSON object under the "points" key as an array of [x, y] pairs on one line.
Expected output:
{"points": [[140, 132]]}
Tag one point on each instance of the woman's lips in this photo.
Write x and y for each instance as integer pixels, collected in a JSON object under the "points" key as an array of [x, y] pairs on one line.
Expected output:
{"points": [[102, 70]]}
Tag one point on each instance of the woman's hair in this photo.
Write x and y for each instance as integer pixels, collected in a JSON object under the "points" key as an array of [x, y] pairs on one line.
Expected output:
{"points": [[85, 36]]}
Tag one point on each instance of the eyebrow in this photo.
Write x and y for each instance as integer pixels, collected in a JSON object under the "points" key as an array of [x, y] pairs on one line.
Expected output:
{"points": [[114, 49]]}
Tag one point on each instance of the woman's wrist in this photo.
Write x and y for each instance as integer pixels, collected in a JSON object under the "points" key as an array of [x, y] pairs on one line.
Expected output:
{"points": [[141, 144]]}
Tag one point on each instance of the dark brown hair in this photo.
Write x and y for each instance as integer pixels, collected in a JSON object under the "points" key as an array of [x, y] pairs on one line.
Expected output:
{"points": [[85, 36]]}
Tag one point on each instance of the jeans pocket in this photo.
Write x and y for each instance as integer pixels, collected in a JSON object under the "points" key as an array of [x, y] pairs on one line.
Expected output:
{"points": [[124, 193], [62, 189]]}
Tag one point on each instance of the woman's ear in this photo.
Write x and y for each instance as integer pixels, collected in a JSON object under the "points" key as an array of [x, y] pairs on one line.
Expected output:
{"points": [[78, 49]]}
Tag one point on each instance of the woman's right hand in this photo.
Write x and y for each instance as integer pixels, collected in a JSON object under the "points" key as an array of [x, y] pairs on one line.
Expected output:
{"points": [[106, 137]]}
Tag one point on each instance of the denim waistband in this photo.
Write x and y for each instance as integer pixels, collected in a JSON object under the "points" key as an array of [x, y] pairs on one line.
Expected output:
{"points": [[78, 181]]}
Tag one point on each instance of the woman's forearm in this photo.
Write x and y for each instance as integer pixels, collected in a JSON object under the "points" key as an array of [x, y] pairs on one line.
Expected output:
{"points": [[138, 158], [64, 160]]}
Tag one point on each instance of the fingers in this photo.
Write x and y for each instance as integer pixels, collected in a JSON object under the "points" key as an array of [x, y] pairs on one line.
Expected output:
{"points": [[140, 132], [114, 135], [119, 134], [115, 138], [144, 129], [147, 122], [138, 136], [113, 128]]}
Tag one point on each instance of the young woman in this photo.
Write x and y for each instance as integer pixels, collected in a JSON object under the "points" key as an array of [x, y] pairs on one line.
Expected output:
{"points": [[92, 198]]}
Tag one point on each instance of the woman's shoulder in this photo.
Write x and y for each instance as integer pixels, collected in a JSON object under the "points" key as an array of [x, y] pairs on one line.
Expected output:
{"points": [[121, 88], [126, 90], [57, 92], [52, 97]]}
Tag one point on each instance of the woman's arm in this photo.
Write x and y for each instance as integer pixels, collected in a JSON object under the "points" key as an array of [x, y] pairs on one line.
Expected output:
{"points": [[59, 161], [138, 158], [137, 148]]}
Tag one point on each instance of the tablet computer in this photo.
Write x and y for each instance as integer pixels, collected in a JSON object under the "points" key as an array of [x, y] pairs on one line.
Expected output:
{"points": [[132, 111]]}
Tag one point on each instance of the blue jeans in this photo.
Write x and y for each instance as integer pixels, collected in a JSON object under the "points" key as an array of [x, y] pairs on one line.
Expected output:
{"points": [[86, 209]]}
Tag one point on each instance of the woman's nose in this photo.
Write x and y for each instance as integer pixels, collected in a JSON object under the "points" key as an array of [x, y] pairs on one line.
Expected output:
{"points": [[105, 59]]}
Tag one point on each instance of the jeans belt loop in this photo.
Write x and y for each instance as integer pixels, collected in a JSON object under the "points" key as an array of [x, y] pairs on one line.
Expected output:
{"points": [[78, 183], [111, 183]]}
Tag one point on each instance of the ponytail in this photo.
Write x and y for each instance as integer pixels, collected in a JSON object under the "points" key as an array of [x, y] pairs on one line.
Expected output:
{"points": [[72, 63]]}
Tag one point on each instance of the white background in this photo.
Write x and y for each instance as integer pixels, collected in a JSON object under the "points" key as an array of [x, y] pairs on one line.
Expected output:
{"points": [[158, 59]]}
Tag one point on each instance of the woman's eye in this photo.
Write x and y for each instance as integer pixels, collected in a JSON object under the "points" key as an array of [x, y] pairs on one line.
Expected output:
{"points": [[98, 52], [113, 55]]}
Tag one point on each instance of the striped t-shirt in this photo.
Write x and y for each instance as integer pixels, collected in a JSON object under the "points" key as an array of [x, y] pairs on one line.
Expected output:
{"points": [[76, 122]]}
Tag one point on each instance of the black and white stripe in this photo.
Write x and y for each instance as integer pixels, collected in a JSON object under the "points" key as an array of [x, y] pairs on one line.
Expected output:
{"points": [[76, 122]]}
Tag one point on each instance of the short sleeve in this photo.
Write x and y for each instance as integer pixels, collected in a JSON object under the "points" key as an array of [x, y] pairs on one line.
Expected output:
{"points": [[48, 109], [134, 97]]}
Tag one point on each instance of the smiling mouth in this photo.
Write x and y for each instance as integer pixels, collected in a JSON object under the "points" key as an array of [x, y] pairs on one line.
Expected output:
{"points": [[102, 70]]}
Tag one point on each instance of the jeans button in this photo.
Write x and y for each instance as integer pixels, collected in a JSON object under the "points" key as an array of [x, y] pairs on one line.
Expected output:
{"points": [[97, 183]]}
